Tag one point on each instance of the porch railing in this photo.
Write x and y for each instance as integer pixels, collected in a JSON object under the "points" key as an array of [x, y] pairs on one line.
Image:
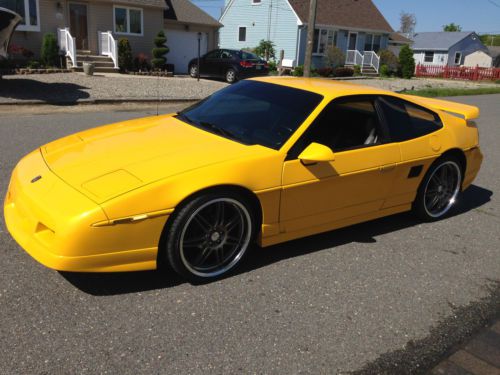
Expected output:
{"points": [[67, 44], [354, 57], [371, 59], [108, 46]]}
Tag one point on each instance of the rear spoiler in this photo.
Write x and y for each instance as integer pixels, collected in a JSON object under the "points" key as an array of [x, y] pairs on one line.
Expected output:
{"points": [[467, 112]]}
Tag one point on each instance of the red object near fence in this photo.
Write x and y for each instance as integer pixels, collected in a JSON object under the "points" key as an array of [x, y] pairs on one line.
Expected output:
{"points": [[457, 72]]}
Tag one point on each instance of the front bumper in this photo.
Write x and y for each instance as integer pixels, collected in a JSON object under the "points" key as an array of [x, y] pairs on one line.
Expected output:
{"points": [[53, 222]]}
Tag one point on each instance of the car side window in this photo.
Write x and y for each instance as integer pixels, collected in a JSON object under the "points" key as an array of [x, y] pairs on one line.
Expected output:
{"points": [[343, 125], [213, 55], [406, 120], [226, 55]]}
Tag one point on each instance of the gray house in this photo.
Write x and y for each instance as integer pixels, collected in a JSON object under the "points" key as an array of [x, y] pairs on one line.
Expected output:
{"points": [[450, 48], [355, 26]]}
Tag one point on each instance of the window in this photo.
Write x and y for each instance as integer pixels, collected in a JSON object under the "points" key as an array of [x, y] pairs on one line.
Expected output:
{"points": [[253, 112], [368, 42], [376, 43], [372, 42], [128, 20], [323, 38], [344, 124], [407, 120], [458, 58], [256, 2], [214, 54], [242, 34], [28, 10], [429, 57]]}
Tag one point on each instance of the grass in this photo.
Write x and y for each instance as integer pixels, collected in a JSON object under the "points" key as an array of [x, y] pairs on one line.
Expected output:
{"points": [[440, 92]]}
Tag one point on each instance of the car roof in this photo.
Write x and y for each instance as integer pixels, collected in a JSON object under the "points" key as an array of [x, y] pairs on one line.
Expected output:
{"points": [[324, 87]]}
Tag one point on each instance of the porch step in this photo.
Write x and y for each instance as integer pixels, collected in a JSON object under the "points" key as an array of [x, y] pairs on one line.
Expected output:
{"points": [[103, 64], [369, 71], [97, 69], [83, 52], [97, 64], [92, 58]]}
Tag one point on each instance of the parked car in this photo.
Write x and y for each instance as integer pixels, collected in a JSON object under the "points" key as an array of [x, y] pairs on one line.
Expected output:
{"points": [[265, 160], [229, 64]]}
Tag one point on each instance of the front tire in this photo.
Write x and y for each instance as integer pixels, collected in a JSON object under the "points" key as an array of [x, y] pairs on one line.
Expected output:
{"points": [[209, 236], [439, 190], [193, 71]]}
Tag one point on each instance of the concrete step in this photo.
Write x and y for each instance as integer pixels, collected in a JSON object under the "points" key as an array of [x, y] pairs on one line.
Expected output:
{"points": [[97, 64], [97, 69], [92, 58], [83, 52]]}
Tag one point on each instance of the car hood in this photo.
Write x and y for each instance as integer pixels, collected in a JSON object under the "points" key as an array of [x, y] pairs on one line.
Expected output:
{"points": [[108, 161]]}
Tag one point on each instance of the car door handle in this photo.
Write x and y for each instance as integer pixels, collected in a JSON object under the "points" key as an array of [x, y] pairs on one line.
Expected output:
{"points": [[387, 168]]}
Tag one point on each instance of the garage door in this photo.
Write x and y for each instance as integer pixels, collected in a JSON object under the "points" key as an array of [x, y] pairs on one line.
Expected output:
{"points": [[184, 47]]}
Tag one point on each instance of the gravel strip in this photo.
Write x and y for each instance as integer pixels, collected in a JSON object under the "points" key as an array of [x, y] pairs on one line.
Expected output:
{"points": [[70, 88]]}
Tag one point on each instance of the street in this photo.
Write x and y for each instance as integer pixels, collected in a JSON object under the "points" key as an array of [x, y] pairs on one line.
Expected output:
{"points": [[390, 294]]}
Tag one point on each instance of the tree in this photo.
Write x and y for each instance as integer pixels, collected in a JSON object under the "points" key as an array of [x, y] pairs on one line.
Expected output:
{"points": [[125, 60], [159, 60], [452, 27], [49, 52], [407, 62], [408, 22], [265, 49]]}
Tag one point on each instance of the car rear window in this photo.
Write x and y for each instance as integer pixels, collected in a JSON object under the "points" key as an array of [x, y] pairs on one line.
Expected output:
{"points": [[253, 112], [244, 55]]}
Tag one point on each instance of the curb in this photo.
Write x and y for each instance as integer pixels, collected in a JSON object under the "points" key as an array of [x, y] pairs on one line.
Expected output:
{"points": [[102, 101]]}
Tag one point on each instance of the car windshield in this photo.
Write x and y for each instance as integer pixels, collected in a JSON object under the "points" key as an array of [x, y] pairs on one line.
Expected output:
{"points": [[252, 112]]}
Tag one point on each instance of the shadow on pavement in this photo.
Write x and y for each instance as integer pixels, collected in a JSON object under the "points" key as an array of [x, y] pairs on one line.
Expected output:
{"points": [[50, 93], [102, 284]]}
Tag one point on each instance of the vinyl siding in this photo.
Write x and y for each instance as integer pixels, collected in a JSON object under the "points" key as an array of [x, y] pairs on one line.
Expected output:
{"points": [[100, 18], [466, 46], [282, 28]]}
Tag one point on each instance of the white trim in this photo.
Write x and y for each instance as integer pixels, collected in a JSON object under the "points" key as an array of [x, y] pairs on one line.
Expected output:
{"points": [[299, 22], [349, 40], [373, 42], [127, 8], [238, 36], [225, 10], [459, 60], [30, 27], [356, 29]]}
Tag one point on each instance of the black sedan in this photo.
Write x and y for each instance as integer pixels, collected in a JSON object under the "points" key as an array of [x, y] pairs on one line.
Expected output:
{"points": [[229, 64]]}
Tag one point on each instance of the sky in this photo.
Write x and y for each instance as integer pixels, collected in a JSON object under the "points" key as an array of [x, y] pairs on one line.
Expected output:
{"points": [[482, 16]]}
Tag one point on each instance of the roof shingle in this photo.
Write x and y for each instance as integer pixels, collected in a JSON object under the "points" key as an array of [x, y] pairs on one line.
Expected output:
{"points": [[438, 41], [355, 14]]}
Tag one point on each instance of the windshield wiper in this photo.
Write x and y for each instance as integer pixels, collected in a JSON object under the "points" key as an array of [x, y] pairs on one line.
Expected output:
{"points": [[221, 131]]}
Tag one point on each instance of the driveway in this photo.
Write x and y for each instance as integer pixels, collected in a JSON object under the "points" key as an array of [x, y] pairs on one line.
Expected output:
{"points": [[386, 296]]}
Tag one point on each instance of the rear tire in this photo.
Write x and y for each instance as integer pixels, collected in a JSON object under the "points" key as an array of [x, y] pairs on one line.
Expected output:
{"points": [[209, 236], [231, 76], [439, 190]]}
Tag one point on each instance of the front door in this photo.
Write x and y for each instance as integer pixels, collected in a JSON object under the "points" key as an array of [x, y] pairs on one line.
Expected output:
{"points": [[78, 24], [356, 183], [353, 39]]}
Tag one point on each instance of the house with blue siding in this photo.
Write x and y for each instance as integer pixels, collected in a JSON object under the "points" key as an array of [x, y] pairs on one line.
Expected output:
{"points": [[355, 26], [450, 48]]}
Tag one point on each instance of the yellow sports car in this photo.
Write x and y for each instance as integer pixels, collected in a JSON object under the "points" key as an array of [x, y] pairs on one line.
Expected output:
{"points": [[265, 160]]}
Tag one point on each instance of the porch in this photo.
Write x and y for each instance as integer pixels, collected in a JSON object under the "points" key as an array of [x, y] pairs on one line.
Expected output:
{"points": [[369, 61]]}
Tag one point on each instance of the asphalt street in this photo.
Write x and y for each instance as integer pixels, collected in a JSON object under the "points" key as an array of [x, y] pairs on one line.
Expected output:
{"points": [[388, 296]]}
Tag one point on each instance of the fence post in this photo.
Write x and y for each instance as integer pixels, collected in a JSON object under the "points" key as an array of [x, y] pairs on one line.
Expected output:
{"points": [[476, 73], [417, 70]]}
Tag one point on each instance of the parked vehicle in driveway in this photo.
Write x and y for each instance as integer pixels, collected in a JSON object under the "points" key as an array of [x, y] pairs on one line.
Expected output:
{"points": [[229, 64]]}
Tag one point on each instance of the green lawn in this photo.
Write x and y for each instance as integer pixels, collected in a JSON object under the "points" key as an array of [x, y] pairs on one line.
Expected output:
{"points": [[440, 92]]}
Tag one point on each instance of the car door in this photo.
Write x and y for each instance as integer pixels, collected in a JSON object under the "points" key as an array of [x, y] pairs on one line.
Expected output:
{"points": [[208, 65], [355, 183]]}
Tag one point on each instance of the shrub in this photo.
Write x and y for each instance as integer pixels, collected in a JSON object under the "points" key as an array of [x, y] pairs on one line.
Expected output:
{"points": [[326, 71], [141, 62], [34, 64], [406, 62], [357, 70], [298, 71], [263, 47], [159, 60], [125, 61], [50, 51], [273, 66], [384, 71], [334, 57], [390, 59], [343, 72]]}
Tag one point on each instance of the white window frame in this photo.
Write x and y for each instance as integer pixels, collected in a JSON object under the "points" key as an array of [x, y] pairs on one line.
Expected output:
{"points": [[246, 30], [27, 26], [128, 20], [335, 40], [433, 56], [458, 53]]}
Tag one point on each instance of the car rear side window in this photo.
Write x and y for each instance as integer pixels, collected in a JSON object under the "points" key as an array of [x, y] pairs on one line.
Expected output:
{"points": [[407, 120]]}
